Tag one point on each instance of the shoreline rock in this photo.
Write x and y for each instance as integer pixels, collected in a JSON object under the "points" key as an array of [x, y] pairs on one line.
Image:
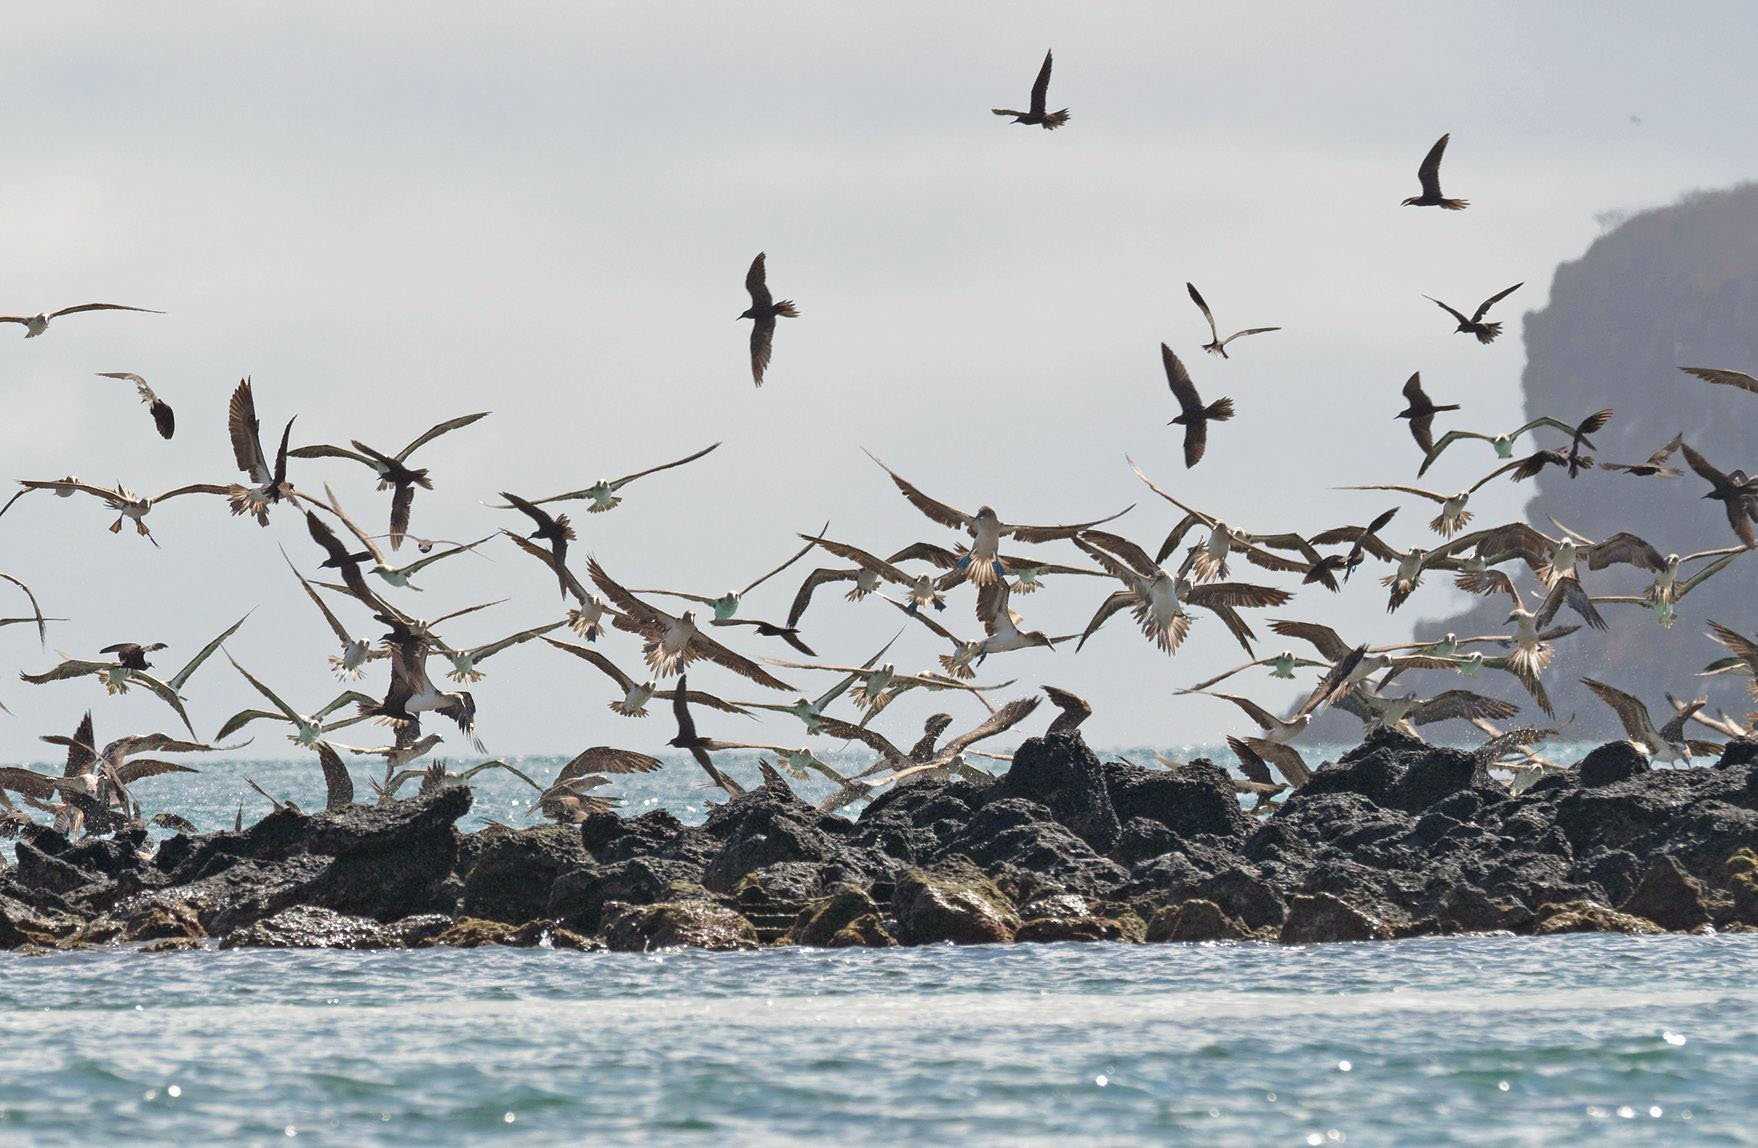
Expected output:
{"points": [[1395, 839]]}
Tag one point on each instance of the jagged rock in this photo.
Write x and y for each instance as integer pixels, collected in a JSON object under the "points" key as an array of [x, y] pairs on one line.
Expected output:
{"points": [[1194, 800], [47, 872], [609, 837], [1670, 897], [21, 925], [823, 919], [696, 924], [1740, 872], [1738, 752], [1611, 763], [866, 932], [1196, 920], [579, 896], [1589, 917], [514, 872], [173, 945], [1059, 772], [953, 902], [1047, 930], [472, 933], [419, 930], [163, 922], [307, 927], [1468, 909], [1323, 917], [1024, 835]]}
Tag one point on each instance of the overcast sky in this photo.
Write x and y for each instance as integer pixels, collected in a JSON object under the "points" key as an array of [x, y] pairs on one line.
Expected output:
{"points": [[388, 217]]}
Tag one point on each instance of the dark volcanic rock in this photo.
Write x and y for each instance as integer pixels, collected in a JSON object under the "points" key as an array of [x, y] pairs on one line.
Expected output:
{"points": [[1196, 920], [515, 870], [1670, 897], [1059, 772], [1323, 917], [307, 927], [954, 902], [695, 924], [1590, 917], [1611, 763], [1194, 800], [1018, 835]]}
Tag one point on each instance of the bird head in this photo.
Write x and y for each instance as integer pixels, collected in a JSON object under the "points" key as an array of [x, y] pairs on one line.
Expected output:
{"points": [[747, 313]]}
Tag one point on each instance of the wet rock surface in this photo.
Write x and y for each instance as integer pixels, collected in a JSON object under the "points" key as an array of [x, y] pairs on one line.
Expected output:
{"points": [[1395, 839]]}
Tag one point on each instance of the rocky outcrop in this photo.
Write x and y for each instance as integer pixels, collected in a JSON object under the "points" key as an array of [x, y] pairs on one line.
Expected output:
{"points": [[1395, 839]]}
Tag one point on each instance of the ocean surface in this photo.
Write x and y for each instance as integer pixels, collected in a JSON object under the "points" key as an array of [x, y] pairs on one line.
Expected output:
{"points": [[1482, 1040]]}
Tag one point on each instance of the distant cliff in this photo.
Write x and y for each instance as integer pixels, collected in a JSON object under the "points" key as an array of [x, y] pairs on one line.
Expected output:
{"points": [[1677, 286]]}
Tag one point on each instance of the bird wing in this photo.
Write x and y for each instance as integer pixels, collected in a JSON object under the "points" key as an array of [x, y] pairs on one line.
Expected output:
{"points": [[439, 429], [575, 586], [142, 768], [100, 307], [36, 610], [1483, 307], [762, 345], [757, 283], [1203, 306], [1132, 555], [1487, 583], [817, 578], [1041, 86], [28, 782], [1459, 315], [1687, 585], [996, 723], [1461, 705], [402, 503], [1031, 534], [609, 668], [1221, 677], [1625, 548], [720, 655], [1118, 600], [1724, 378], [482, 653], [859, 557], [1322, 638], [801, 553], [540, 517], [182, 676], [628, 478], [1251, 764], [1258, 714], [334, 506], [848, 731], [423, 563], [1630, 710], [1416, 490], [246, 433], [326, 450], [68, 669], [1429, 173], [636, 611], [1178, 379], [607, 759], [1741, 646], [1236, 595], [938, 511]]}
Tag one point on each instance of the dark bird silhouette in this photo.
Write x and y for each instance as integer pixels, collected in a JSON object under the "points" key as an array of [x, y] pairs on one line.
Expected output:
{"points": [[1485, 332], [1592, 424], [1217, 345], [554, 530], [1737, 492], [133, 655], [1421, 410], [1193, 416], [267, 485], [1363, 540], [163, 417], [394, 473], [1655, 465], [1049, 121], [762, 312], [1430, 175]]}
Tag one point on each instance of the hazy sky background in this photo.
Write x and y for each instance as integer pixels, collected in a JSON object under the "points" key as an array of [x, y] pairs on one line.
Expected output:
{"points": [[391, 216]]}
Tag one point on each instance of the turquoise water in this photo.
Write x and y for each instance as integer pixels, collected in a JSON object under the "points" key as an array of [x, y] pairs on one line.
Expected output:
{"points": [[1472, 1040], [1478, 1040]]}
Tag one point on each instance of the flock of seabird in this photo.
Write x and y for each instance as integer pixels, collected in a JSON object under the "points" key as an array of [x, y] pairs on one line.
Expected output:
{"points": [[384, 651]]}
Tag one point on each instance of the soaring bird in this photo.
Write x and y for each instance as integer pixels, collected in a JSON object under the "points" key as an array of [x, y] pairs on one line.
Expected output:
{"points": [[1049, 121], [1157, 600], [672, 643], [1209, 558], [1406, 713], [308, 730], [1362, 540], [1421, 410], [603, 494], [163, 418], [398, 576], [1485, 332], [1217, 345], [920, 587], [1724, 378], [762, 313], [36, 610], [636, 695], [1193, 416], [1430, 176], [1453, 516], [552, 529], [128, 506], [1737, 493], [268, 485], [394, 473], [35, 325], [982, 563], [1743, 653], [727, 604], [350, 663], [1503, 444], [1666, 743], [1655, 465]]}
